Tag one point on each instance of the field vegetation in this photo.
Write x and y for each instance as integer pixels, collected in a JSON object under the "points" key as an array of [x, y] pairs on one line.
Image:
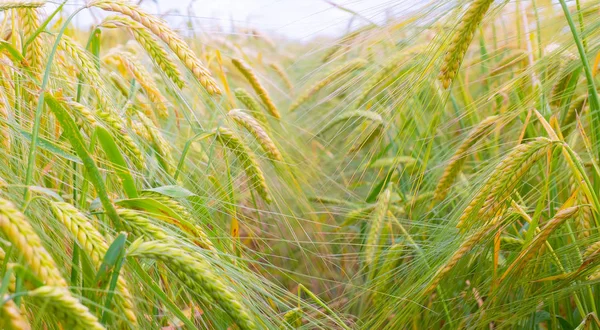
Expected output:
{"points": [[438, 170]]}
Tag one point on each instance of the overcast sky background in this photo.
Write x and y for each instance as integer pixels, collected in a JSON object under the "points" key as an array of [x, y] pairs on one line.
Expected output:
{"points": [[298, 19]]}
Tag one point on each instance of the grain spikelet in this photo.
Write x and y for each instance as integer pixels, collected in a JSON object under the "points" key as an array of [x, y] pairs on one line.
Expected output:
{"points": [[455, 164], [254, 127], [129, 147], [355, 117], [559, 91], [21, 234], [200, 237], [10, 316], [283, 75], [140, 226], [161, 146], [463, 249], [251, 104], [540, 239], [377, 220], [151, 45], [196, 273], [92, 242], [86, 64], [33, 52], [144, 78], [379, 76], [246, 157], [16, 4], [161, 30], [85, 117], [503, 179], [462, 39], [247, 71], [516, 57], [333, 75], [66, 308]]}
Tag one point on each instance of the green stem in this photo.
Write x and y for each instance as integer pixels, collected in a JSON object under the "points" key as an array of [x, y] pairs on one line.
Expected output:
{"points": [[593, 94], [40, 106]]}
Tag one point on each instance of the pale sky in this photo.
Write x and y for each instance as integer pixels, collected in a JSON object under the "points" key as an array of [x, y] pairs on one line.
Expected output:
{"points": [[298, 19]]}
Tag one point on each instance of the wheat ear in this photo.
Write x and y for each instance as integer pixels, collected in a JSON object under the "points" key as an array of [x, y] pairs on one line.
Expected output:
{"points": [[145, 80], [248, 160], [16, 4], [200, 237], [161, 30], [251, 104], [30, 22], [354, 117], [540, 239], [503, 179], [21, 234], [283, 75], [151, 45], [463, 249], [253, 126], [86, 65], [384, 72], [462, 39], [95, 246], [377, 220], [66, 308], [196, 273], [457, 160], [161, 146], [247, 71], [329, 78], [11, 317], [130, 148]]}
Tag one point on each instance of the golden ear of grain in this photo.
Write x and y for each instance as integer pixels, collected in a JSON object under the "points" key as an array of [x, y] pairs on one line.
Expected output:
{"points": [[259, 133], [129, 147], [20, 233], [462, 39], [540, 239], [503, 179], [455, 164], [150, 44], [247, 71], [196, 273], [161, 30], [246, 157], [518, 56], [95, 246], [199, 236], [283, 75], [333, 75], [10, 316], [251, 104], [66, 308], [16, 4], [144, 78], [161, 146], [140, 226], [34, 54], [86, 64]]}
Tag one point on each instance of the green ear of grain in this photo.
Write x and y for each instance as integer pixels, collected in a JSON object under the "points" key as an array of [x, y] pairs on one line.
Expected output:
{"points": [[158, 210], [117, 161], [71, 132]]}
